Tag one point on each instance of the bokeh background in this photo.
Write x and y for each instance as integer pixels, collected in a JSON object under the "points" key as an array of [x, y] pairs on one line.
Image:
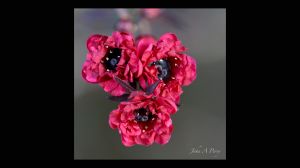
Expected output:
{"points": [[200, 122]]}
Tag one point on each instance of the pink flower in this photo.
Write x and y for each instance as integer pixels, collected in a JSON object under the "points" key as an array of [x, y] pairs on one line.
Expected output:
{"points": [[181, 66], [151, 13], [143, 119], [164, 60], [160, 67], [125, 25], [109, 57]]}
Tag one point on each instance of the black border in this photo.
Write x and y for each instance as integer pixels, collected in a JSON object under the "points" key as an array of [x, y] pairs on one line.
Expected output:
{"points": [[50, 63]]}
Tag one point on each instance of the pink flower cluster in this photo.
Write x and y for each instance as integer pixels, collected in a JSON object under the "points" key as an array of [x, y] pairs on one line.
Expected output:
{"points": [[147, 75]]}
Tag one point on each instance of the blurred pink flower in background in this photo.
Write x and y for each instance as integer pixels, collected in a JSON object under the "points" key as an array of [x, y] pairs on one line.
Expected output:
{"points": [[125, 25], [151, 13]]}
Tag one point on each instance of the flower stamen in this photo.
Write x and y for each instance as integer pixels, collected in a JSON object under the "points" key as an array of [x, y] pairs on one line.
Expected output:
{"points": [[111, 59]]}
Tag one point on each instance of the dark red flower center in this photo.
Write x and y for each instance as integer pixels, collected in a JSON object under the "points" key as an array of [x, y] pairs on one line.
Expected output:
{"points": [[112, 58], [143, 115], [145, 119], [167, 68]]}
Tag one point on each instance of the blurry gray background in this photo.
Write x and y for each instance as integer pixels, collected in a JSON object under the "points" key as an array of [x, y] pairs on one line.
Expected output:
{"points": [[200, 122]]}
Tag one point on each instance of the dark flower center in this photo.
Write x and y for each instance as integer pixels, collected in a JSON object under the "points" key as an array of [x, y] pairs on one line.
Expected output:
{"points": [[145, 119], [143, 115], [112, 58], [167, 68], [163, 68]]}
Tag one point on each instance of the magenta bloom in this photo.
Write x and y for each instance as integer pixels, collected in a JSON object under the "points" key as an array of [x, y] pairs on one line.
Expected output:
{"points": [[111, 56], [164, 60], [144, 119], [151, 13], [146, 76], [181, 66], [125, 25]]}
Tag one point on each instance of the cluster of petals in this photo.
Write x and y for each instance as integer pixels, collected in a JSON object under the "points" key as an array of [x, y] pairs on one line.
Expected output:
{"points": [[150, 73]]}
